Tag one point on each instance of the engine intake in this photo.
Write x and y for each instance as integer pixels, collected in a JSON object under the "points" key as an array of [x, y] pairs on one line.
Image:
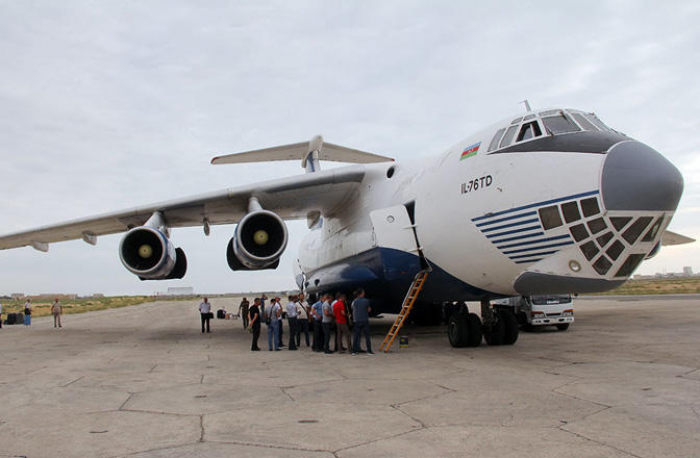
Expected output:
{"points": [[259, 241], [147, 252]]}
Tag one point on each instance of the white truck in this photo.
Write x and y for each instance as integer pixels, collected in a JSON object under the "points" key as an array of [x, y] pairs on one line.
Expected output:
{"points": [[550, 310]]}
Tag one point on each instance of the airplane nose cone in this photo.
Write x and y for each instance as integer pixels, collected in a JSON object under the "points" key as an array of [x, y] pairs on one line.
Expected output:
{"points": [[636, 177]]}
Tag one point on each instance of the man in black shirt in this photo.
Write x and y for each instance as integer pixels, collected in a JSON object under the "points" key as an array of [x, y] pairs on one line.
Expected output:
{"points": [[254, 317]]}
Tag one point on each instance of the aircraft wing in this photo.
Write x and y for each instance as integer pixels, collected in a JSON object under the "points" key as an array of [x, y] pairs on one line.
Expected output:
{"points": [[671, 238], [291, 198]]}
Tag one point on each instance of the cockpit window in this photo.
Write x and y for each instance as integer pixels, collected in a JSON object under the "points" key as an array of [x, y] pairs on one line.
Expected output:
{"points": [[508, 137], [529, 130], [496, 138], [583, 122], [516, 120], [560, 124], [594, 119]]}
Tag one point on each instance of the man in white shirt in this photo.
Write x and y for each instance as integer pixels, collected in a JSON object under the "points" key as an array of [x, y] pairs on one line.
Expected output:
{"points": [[304, 319], [205, 312], [292, 318]]}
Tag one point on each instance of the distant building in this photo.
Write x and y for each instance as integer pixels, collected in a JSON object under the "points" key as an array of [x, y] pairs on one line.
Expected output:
{"points": [[180, 291], [688, 271], [17, 296]]}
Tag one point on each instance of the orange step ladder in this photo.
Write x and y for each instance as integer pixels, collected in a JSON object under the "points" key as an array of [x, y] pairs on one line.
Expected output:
{"points": [[408, 302]]}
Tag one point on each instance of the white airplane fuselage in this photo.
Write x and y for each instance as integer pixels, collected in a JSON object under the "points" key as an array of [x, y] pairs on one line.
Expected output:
{"points": [[559, 212]]}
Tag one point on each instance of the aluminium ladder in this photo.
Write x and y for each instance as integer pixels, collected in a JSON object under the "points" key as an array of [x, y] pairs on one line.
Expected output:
{"points": [[406, 307]]}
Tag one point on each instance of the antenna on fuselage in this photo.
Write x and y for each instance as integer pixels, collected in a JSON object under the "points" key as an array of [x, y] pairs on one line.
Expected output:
{"points": [[527, 105]]}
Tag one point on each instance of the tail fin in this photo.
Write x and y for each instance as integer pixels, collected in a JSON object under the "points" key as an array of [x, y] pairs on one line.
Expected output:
{"points": [[309, 153]]}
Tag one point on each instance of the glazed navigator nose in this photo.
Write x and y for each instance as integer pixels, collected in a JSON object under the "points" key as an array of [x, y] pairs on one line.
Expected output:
{"points": [[636, 177]]}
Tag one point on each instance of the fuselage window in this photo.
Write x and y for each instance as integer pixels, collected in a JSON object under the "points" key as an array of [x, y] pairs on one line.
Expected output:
{"points": [[560, 124], [508, 137], [528, 131], [583, 122], [496, 139]]}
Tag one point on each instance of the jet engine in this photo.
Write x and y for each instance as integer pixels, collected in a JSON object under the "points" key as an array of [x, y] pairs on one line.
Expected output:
{"points": [[258, 243], [146, 251]]}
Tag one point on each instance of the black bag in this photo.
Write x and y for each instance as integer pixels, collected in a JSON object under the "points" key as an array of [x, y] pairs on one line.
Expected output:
{"points": [[10, 318], [28, 312], [221, 314]]}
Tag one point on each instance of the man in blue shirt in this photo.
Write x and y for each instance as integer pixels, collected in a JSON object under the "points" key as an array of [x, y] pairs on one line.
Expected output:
{"points": [[317, 314], [360, 313]]}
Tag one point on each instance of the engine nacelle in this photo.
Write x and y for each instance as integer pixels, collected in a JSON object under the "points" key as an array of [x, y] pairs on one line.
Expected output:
{"points": [[145, 251], [258, 243]]}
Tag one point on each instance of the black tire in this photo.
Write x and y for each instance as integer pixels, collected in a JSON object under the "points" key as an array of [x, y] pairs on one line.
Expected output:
{"points": [[563, 326], [458, 331], [494, 332], [475, 334], [510, 325]]}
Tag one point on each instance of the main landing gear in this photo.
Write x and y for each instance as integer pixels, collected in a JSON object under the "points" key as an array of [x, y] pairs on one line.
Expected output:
{"points": [[499, 327]]}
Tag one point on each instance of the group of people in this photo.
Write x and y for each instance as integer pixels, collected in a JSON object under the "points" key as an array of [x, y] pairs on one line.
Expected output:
{"points": [[322, 316], [56, 311]]}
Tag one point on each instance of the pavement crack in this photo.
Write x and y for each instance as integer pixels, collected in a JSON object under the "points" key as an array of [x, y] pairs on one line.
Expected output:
{"points": [[581, 436], [201, 426], [152, 369], [393, 436], [121, 407], [71, 382], [284, 390]]}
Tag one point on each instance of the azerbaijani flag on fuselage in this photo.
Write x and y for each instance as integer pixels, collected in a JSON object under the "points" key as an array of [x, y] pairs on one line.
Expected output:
{"points": [[470, 151]]}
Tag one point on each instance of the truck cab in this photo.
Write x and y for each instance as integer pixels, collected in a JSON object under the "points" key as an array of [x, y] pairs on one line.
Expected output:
{"points": [[546, 310]]}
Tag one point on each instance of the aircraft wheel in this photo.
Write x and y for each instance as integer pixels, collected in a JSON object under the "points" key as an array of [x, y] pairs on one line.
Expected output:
{"points": [[458, 331], [563, 326], [494, 333], [475, 334], [510, 324]]}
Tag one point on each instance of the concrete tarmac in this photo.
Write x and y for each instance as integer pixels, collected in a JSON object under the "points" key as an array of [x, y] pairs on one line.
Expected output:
{"points": [[144, 382]]}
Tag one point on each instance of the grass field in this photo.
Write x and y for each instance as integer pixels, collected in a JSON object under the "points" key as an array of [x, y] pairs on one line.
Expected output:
{"points": [[660, 286], [76, 305]]}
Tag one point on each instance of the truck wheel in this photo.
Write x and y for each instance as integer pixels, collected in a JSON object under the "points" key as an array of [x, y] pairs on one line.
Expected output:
{"points": [[475, 335], [493, 333], [510, 324], [563, 326], [458, 330]]}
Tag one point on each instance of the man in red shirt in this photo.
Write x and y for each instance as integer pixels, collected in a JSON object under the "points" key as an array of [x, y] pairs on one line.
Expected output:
{"points": [[341, 321]]}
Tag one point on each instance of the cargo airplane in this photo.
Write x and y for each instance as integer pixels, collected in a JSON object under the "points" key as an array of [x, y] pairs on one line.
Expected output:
{"points": [[549, 201]]}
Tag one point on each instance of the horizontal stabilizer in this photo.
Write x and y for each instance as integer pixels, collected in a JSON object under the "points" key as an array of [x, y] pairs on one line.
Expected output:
{"points": [[671, 238], [299, 151]]}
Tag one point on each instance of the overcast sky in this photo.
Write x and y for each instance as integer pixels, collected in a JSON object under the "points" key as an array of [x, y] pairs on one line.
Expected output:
{"points": [[108, 105]]}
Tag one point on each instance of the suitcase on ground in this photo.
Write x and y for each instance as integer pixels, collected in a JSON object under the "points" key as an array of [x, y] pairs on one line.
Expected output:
{"points": [[11, 318]]}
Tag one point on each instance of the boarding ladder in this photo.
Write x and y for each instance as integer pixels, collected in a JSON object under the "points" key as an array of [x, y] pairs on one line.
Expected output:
{"points": [[406, 307]]}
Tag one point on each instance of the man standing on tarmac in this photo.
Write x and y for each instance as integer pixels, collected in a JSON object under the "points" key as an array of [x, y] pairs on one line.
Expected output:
{"points": [[205, 312], [360, 313], [243, 312], [327, 322], [341, 322], [293, 320], [304, 319], [317, 316], [56, 311], [274, 314], [254, 316]]}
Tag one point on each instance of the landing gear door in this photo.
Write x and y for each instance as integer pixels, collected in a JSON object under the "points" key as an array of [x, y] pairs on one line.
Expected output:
{"points": [[393, 229]]}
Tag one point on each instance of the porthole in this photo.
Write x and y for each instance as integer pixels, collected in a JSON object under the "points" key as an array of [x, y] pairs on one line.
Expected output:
{"points": [[390, 172]]}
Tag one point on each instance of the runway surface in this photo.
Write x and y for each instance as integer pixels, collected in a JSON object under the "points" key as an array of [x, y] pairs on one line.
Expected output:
{"points": [[143, 381]]}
